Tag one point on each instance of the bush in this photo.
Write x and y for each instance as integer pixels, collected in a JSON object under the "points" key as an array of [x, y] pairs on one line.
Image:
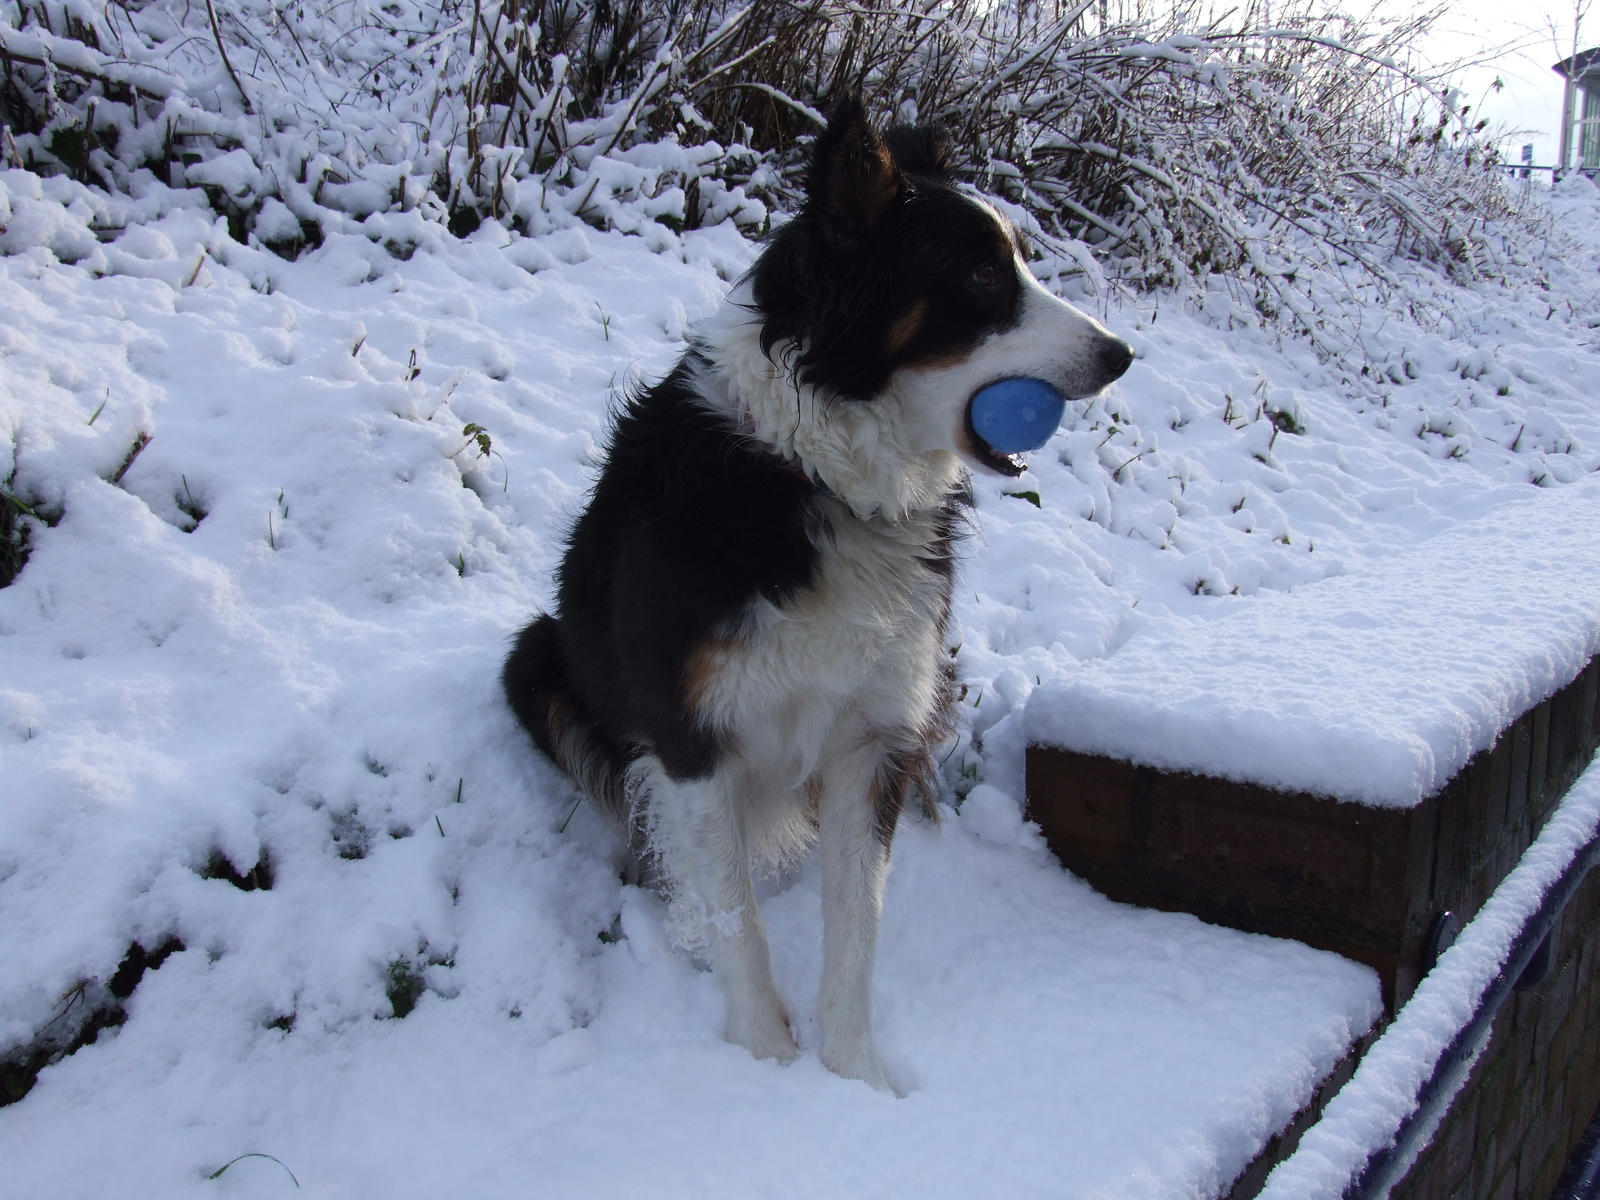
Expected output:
{"points": [[13, 537], [1181, 149]]}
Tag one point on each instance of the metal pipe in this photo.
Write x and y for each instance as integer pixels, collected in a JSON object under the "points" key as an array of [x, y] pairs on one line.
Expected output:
{"points": [[1387, 1165], [1581, 1179]]}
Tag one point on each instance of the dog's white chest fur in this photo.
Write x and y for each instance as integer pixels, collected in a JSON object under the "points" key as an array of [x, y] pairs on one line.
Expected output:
{"points": [[854, 655]]}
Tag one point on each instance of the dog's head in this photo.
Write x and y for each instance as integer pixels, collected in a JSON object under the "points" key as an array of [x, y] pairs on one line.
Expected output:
{"points": [[894, 284]]}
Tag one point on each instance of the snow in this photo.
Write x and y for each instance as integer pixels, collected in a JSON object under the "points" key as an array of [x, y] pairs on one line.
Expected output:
{"points": [[1401, 671], [275, 641]]}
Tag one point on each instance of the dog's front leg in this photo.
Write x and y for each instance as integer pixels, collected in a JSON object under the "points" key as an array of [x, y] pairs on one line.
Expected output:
{"points": [[697, 835], [859, 805]]}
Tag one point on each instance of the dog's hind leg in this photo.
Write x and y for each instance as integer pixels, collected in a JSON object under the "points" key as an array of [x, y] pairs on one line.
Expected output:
{"points": [[696, 833], [540, 693], [861, 798]]}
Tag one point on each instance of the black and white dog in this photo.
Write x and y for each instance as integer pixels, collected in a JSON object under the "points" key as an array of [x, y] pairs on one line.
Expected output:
{"points": [[748, 648]]}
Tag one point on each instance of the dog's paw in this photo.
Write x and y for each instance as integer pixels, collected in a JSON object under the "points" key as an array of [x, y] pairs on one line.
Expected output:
{"points": [[765, 1033], [860, 1062]]}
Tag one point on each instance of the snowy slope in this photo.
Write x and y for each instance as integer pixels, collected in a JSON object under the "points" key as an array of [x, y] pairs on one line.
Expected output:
{"points": [[302, 684]]}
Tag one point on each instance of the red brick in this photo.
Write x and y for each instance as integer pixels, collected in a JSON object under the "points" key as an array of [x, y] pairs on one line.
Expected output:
{"points": [[1456, 1141], [1519, 787], [1583, 1086], [1545, 1181], [1591, 679], [1082, 802], [1498, 1160], [1538, 1157], [1539, 801]]}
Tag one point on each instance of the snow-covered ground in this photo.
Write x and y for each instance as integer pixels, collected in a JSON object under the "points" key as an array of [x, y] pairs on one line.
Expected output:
{"points": [[272, 646], [1413, 663]]}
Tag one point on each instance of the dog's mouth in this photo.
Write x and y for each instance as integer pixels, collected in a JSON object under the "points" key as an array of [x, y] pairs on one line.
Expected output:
{"points": [[1009, 465]]}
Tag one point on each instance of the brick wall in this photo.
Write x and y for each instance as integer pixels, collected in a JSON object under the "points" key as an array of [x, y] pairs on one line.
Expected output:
{"points": [[1367, 883]]}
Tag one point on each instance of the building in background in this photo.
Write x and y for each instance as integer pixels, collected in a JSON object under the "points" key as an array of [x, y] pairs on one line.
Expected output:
{"points": [[1580, 110]]}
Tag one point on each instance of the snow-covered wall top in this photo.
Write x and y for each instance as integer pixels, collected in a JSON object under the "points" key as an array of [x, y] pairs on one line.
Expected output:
{"points": [[1395, 676]]}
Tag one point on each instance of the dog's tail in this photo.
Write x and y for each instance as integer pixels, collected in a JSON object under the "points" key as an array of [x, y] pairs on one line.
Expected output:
{"points": [[539, 690]]}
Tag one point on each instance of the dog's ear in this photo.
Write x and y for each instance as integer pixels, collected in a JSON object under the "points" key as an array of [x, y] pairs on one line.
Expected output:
{"points": [[853, 178], [920, 149]]}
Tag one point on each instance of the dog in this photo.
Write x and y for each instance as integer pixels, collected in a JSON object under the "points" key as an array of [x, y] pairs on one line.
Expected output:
{"points": [[747, 652]]}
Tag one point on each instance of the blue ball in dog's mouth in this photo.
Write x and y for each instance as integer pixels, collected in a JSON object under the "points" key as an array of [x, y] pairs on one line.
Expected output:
{"points": [[1014, 415]]}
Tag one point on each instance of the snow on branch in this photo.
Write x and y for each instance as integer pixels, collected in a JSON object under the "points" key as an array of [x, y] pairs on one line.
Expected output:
{"points": [[1178, 147]]}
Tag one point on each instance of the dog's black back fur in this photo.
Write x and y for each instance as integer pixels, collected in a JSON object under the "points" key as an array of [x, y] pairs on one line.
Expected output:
{"points": [[688, 523]]}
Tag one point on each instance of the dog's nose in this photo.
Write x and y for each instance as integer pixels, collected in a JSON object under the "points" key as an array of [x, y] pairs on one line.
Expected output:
{"points": [[1116, 357]]}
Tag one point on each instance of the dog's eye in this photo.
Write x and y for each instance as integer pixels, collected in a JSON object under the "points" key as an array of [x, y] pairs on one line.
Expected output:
{"points": [[986, 276]]}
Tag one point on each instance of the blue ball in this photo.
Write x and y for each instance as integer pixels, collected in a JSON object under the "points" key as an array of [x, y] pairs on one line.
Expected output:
{"points": [[1016, 414]]}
